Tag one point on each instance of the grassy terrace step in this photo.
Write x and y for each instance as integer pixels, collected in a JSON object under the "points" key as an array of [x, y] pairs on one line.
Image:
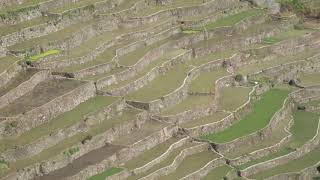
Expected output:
{"points": [[148, 68], [176, 3], [302, 121], [41, 94], [162, 85], [136, 135], [190, 102], [204, 83], [74, 5], [294, 33], [218, 173], [99, 76], [150, 155], [134, 56], [217, 116], [260, 116], [255, 67], [231, 20], [296, 165], [191, 164], [165, 162], [8, 29], [127, 115], [64, 120], [56, 36], [212, 57], [310, 79], [7, 61], [16, 81], [233, 97]]}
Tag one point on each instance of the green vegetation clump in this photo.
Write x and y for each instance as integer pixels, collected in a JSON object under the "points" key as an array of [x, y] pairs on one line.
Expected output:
{"points": [[294, 5], [71, 151], [44, 54], [4, 167], [106, 173]]}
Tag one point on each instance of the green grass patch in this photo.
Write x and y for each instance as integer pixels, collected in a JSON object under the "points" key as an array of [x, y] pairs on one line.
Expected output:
{"points": [[296, 165], [218, 173], [286, 35], [205, 82], [106, 173], [190, 164], [263, 109], [162, 85], [45, 54], [303, 120], [233, 97]]}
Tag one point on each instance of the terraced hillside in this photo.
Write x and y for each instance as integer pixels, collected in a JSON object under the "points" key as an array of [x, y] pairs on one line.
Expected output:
{"points": [[159, 89]]}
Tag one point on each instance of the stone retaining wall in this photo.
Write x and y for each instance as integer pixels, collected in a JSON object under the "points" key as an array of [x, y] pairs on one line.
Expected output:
{"points": [[97, 141], [143, 62], [128, 153], [151, 75], [46, 112], [59, 135], [24, 87]]}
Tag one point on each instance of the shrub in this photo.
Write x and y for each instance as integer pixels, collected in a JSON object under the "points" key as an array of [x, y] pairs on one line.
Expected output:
{"points": [[301, 108], [87, 138], [238, 77]]}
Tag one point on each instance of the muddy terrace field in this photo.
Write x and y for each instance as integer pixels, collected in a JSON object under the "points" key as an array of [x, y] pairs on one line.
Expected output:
{"points": [[159, 89]]}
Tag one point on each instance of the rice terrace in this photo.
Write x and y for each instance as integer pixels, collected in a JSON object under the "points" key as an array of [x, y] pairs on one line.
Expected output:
{"points": [[159, 89]]}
